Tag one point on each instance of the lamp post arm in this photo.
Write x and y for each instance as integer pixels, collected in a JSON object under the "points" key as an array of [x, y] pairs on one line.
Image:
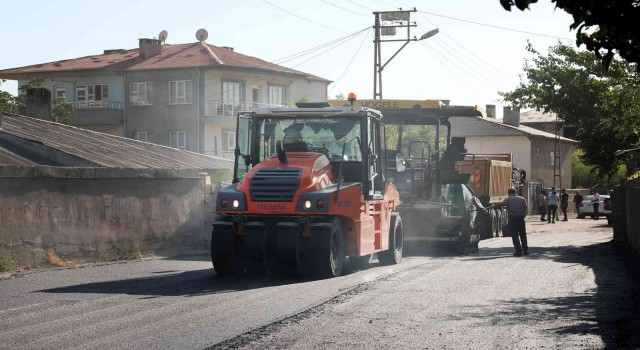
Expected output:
{"points": [[395, 54]]}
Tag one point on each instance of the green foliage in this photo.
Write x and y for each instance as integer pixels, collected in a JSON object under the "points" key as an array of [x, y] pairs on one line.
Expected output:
{"points": [[603, 105], [61, 111], [410, 134], [603, 26], [584, 176], [4, 265], [21, 99], [8, 102]]}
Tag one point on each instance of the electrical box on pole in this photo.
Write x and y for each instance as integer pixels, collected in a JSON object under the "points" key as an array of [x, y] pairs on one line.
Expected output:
{"points": [[387, 23]]}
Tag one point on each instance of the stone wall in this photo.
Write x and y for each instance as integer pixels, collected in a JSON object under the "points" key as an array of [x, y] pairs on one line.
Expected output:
{"points": [[101, 213]]}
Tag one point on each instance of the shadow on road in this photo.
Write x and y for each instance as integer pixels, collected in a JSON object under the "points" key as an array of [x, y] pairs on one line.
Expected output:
{"points": [[189, 283], [169, 283], [611, 310]]}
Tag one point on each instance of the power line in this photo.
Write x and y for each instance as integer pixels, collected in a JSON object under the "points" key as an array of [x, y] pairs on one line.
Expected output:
{"points": [[470, 70], [308, 51], [323, 52], [473, 54], [364, 7], [344, 8], [267, 65], [444, 64], [486, 25], [466, 70], [470, 58], [349, 64], [494, 26], [302, 18]]}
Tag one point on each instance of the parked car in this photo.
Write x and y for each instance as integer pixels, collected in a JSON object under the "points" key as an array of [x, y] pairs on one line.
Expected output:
{"points": [[586, 207]]}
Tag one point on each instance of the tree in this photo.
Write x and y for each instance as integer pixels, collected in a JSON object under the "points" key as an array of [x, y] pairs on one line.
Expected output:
{"points": [[604, 105], [583, 176], [604, 26], [8, 102], [61, 111]]}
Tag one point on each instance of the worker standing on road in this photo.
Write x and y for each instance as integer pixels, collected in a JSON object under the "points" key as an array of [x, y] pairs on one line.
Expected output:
{"points": [[577, 199], [516, 209], [595, 201], [542, 204], [552, 202], [564, 202]]}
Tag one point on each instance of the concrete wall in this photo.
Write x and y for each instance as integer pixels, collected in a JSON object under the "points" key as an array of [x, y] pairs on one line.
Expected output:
{"points": [[542, 167], [100, 213]]}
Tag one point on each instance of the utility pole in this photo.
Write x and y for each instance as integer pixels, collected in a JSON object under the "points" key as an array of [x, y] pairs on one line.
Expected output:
{"points": [[386, 24], [557, 168]]}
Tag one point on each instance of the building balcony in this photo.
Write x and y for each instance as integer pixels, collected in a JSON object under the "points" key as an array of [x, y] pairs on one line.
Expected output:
{"points": [[231, 109], [97, 104], [87, 113]]}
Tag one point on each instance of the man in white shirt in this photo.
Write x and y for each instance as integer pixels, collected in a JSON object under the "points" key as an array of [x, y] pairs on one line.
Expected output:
{"points": [[595, 201]]}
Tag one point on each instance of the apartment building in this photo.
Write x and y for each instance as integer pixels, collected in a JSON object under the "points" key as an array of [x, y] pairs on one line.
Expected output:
{"points": [[184, 96]]}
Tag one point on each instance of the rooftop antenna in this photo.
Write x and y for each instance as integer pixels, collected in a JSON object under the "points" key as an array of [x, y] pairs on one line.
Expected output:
{"points": [[202, 35], [163, 36]]}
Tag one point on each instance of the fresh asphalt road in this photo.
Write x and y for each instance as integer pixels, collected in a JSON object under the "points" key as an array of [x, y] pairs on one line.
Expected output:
{"points": [[573, 291]]}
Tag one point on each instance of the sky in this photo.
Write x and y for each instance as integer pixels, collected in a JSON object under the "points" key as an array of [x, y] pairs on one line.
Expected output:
{"points": [[467, 63]]}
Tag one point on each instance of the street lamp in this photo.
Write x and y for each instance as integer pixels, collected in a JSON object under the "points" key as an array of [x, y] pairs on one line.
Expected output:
{"points": [[429, 34]]}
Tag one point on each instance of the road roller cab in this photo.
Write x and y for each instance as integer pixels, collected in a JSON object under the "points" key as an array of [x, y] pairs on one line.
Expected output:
{"points": [[308, 191]]}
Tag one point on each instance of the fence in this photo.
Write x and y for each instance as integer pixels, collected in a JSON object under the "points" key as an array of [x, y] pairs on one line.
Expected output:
{"points": [[230, 108]]}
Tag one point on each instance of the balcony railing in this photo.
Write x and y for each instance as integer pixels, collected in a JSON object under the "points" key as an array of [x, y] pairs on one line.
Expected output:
{"points": [[230, 109], [97, 104]]}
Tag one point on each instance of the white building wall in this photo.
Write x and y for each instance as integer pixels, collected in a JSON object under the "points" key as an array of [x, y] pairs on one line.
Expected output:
{"points": [[518, 146]]}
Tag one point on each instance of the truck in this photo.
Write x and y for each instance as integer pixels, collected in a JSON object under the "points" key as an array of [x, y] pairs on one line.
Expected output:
{"points": [[308, 192], [443, 189]]}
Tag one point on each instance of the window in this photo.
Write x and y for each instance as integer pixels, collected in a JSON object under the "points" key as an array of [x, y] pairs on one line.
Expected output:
{"points": [[232, 92], [95, 95], [228, 142], [277, 95], [140, 93], [536, 151], [61, 93], [178, 139], [231, 98], [553, 158], [92, 93], [146, 136], [180, 92]]}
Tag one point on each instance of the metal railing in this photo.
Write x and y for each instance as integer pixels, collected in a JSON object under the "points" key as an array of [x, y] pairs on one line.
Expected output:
{"points": [[230, 108], [97, 104]]}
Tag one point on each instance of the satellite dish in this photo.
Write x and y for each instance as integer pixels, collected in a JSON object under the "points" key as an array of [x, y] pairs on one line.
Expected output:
{"points": [[163, 36], [202, 35]]}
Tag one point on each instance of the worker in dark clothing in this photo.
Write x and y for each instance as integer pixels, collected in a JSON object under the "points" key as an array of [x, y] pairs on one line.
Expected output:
{"points": [[517, 210], [564, 203]]}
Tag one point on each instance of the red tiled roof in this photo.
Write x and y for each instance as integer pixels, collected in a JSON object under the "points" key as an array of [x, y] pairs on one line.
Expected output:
{"points": [[172, 56]]}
